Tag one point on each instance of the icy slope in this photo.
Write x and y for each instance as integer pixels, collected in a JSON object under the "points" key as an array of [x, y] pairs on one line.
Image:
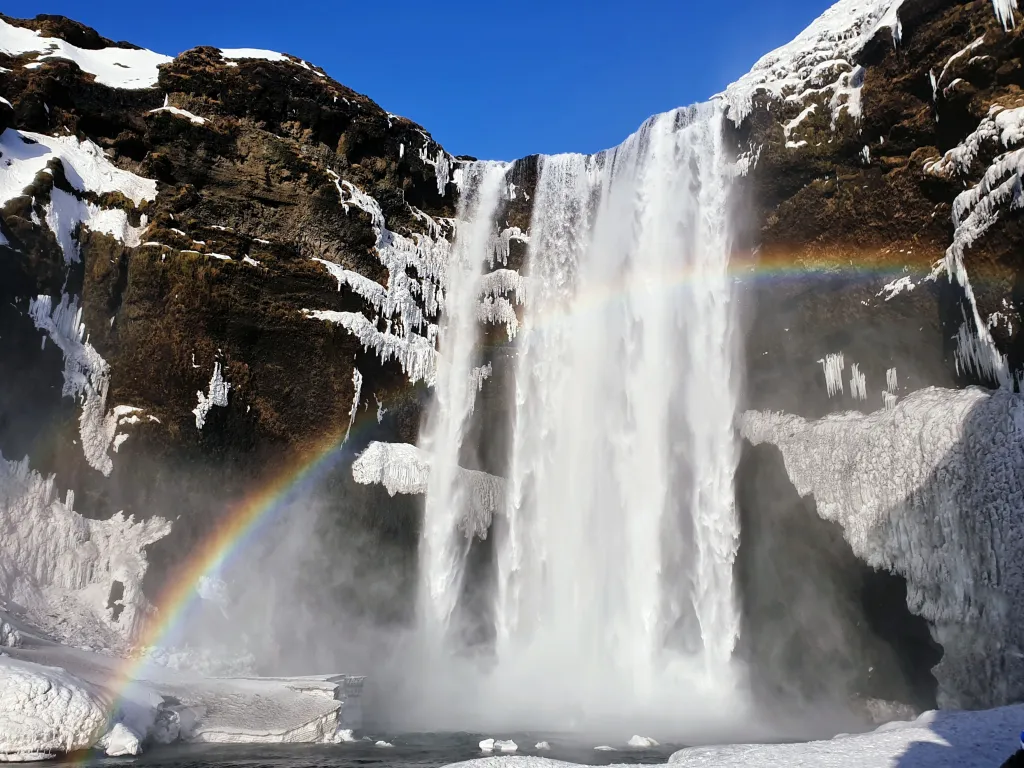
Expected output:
{"points": [[932, 489]]}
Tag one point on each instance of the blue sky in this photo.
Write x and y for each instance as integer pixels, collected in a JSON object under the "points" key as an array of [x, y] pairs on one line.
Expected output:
{"points": [[489, 78]]}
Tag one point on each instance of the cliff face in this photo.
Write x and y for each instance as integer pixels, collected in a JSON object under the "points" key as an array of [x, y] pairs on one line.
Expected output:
{"points": [[257, 256]]}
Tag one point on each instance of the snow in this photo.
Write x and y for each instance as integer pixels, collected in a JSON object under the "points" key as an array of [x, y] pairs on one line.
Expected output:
{"points": [[86, 378], [962, 52], [24, 154], [114, 67], [357, 389], [44, 711], [236, 54], [195, 119], [789, 127], [894, 288], [820, 62], [932, 489], [982, 739], [217, 395], [404, 468], [1000, 127]]}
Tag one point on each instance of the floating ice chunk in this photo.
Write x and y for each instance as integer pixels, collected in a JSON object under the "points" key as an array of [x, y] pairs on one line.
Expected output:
{"points": [[642, 742], [343, 736], [487, 745], [383, 743], [542, 746], [605, 748], [119, 741], [218, 395], [506, 746]]}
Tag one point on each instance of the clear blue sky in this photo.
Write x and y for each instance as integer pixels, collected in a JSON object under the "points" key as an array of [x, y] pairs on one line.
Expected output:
{"points": [[490, 78]]}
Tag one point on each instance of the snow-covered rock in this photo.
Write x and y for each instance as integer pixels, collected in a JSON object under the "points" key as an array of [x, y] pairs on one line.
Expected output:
{"points": [[119, 741], [45, 711]]}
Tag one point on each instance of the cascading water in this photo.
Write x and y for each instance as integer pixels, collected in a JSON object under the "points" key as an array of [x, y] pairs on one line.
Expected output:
{"points": [[614, 598], [444, 546]]}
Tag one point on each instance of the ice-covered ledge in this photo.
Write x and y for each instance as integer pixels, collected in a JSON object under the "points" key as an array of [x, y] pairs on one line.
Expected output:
{"points": [[932, 489], [404, 468]]}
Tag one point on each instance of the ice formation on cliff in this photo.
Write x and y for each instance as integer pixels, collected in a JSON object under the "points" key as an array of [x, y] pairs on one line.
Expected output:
{"points": [[86, 378], [216, 395], [60, 566], [915, 487], [833, 365]]}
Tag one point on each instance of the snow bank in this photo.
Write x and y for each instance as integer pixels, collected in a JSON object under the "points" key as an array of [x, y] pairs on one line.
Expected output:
{"points": [[932, 489], [86, 378], [962, 739], [60, 566], [404, 468], [44, 711], [114, 67]]}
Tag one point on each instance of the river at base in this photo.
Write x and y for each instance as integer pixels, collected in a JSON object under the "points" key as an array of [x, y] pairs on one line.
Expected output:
{"points": [[419, 750]]}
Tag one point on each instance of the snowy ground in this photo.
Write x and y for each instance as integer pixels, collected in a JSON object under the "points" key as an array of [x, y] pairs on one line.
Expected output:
{"points": [[55, 699], [935, 740]]}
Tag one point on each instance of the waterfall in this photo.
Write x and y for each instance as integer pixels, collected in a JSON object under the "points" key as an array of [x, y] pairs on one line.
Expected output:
{"points": [[444, 545], [613, 595]]}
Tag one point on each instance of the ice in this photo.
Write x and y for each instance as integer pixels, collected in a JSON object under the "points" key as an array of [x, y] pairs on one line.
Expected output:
{"points": [[120, 741], [45, 711], [86, 378], [962, 52], [357, 389], [114, 67], [542, 746], [858, 383], [60, 566], [642, 742], [217, 395], [1004, 12], [487, 745], [895, 287], [605, 748], [382, 743], [932, 489], [833, 365]]}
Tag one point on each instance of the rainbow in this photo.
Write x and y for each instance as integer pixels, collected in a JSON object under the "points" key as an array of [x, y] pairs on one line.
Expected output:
{"points": [[242, 524]]}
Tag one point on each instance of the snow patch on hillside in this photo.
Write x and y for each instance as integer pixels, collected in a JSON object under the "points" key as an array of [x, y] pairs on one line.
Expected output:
{"points": [[60, 566], [114, 67], [933, 489]]}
